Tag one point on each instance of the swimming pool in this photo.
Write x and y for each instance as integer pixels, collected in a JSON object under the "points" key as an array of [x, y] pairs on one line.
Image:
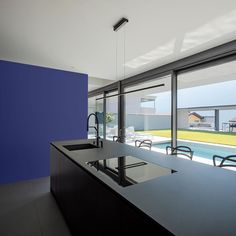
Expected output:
{"points": [[202, 149]]}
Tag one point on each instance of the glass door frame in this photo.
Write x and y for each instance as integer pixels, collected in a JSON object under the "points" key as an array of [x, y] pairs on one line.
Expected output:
{"points": [[176, 73]]}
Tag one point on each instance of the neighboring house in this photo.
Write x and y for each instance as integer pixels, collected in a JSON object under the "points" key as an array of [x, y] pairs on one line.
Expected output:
{"points": [[195, 117], [138, 104], [148, 105], [209, 119], [196, 120]]}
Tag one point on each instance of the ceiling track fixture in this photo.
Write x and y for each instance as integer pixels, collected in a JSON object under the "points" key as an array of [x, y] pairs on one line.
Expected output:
{"points": [[132, 91], [120, 23]]}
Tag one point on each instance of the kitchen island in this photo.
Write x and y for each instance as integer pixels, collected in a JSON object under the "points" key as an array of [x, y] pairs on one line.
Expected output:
{"points": [[184, 198]]}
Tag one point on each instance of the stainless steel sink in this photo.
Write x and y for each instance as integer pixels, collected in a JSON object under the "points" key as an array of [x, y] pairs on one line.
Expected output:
{"points": [[74, 147]]}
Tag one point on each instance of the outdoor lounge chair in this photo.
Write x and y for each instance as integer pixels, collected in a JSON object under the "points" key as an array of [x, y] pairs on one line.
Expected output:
{"points": [[180, 150], [147, 143], [130, 133], [112, 131], [228, 161]]}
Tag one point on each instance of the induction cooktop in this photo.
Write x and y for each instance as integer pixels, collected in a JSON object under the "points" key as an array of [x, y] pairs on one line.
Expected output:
{"points": [[129, 170]]}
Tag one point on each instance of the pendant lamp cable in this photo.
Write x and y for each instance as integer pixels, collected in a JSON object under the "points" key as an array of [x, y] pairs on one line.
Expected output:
{"points": [[124, 48], [116, 28], [116, 53]]}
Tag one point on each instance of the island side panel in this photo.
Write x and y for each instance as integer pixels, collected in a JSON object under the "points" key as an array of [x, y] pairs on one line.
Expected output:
{"points": [[91, 207]]}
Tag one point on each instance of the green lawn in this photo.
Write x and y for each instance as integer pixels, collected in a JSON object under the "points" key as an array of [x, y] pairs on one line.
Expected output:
{"points": [[201, 136]]}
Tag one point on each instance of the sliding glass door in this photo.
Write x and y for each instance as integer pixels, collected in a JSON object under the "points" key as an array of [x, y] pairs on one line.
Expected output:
{"points": [[207, 111]]}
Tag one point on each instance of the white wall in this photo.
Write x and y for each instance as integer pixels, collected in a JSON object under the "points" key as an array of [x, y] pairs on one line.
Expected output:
{"points": [[182, 122]]}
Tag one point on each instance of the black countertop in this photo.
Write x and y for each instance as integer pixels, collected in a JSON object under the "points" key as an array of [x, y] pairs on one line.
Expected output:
{"points": [[196, 200]]}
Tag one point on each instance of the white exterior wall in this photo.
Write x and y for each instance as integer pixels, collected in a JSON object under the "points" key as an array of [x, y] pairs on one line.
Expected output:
{"points": [[182, 119]]}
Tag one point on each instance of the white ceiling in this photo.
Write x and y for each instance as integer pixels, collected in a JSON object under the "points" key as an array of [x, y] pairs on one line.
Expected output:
{"points": [[77, 35]]}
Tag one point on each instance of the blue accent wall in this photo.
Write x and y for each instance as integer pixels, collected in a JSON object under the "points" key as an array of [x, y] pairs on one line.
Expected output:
{"points": [[37, 105]]}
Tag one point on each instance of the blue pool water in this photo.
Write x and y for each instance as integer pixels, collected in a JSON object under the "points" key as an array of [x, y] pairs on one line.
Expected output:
{"points": [[202, 150]]}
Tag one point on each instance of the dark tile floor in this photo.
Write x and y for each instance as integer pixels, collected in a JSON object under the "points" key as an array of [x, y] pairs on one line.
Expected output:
{"points": [[28, 209]]}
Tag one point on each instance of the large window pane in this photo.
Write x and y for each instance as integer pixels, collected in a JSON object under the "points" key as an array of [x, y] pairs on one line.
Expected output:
{"points": [[207, 111], [148, 113], [111, 115], [95, 106]]}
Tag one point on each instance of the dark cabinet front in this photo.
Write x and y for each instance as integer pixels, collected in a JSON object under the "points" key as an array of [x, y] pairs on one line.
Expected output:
{"points": [[91, 207]]}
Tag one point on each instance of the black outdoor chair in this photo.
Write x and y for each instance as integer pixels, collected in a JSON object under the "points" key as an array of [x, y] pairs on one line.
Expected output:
{"points": [[232, 126], [118, 139], [228, 161], [146, 143], [180, 150]]}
